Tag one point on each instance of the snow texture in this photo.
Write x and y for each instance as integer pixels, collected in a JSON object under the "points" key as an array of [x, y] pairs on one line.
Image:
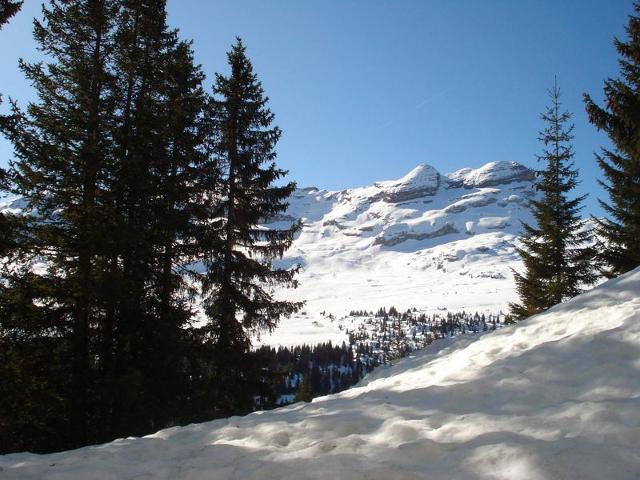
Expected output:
{"points": [[554, 397], [493, 173], [421, 181], [426, 241]]}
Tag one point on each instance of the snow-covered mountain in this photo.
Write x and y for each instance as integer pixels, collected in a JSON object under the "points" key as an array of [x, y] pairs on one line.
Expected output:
{"points": [[554, 397], [426, 240]]}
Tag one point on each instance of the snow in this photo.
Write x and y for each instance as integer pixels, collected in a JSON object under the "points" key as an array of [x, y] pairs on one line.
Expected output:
{"points": [[421, 241], [453, 246], [554, 397], [422, 180], [493, 173]]}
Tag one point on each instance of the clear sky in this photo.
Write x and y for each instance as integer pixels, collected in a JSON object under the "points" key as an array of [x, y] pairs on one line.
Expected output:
{"points": [[364, 90]]}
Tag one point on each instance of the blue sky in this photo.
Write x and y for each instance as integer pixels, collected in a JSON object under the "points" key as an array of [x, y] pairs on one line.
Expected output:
{"points": [[364, 90]]}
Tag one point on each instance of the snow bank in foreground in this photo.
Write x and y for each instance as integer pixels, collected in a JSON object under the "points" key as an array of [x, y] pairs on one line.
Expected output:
{"points": [[555, 397]]}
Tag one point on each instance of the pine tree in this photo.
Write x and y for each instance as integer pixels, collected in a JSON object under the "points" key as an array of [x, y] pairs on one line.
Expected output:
{"points": [[556, 253], [619, 234], [158, 137], [8, 9], [238, 253], [109, 161], [62, 144], [175, 211]]}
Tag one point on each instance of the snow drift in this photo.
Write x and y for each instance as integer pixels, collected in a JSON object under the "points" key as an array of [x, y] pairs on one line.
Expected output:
{"points": [[554, 397]]}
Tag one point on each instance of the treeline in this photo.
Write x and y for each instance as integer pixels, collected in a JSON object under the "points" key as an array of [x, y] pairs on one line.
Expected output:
{"points": [[143, 192], [303, 372], [388, 334], [306, 371]]}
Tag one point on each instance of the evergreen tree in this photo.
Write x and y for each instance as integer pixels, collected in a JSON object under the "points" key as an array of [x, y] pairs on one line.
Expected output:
{"points": [[158, 138], [8, 9], [305, 389], [620, 247], [238, 253], [556, 253], [108, 161], [62, 144]]}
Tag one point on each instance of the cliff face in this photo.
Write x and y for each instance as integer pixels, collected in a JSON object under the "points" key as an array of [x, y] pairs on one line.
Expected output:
{"points": [[427, 240]]}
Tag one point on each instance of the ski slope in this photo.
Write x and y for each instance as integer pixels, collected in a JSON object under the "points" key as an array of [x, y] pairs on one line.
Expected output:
{"points": [[554, 397]]}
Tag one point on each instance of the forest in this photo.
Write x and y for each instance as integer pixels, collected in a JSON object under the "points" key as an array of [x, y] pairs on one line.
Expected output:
{"points": [[146, 188]]}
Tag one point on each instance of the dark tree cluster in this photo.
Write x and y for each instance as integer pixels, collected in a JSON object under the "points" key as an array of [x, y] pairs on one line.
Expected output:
{"points": [[560, 255], [142, 192], [388, 334], [300, 373], [303, 372], [619, 234]]}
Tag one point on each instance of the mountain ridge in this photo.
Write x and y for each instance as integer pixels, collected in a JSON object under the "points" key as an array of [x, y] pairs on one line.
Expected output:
{"points": [[426, 240]]}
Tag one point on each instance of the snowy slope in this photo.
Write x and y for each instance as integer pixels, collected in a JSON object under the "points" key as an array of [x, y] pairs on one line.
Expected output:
{"points": [[430, 241], [555, 397], [426, 240]]}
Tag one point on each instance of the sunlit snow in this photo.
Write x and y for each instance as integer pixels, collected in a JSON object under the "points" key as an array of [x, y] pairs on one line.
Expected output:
{"points": [[554, 397], [427, 240]]}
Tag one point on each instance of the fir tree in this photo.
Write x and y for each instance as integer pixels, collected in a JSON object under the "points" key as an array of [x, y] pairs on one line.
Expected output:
{"points": [[8, 9], [556, 253], [62, 144], [238, 253], [305, 389], [158, 139], [620, 247], [108, 161]]}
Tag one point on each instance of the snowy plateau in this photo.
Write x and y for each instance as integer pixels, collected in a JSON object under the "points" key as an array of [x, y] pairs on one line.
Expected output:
{"points": [[554, 397], [437, 243]]}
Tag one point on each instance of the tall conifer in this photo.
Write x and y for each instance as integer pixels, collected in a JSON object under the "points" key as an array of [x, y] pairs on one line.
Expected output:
{"points": [[240, 275], [159, 138], [556, 252], [94, 308], [619, 119], [62, 145]]}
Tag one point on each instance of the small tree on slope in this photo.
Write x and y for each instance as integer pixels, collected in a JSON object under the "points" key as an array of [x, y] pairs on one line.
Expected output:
{"points": [[620, 120], [556, 253]]}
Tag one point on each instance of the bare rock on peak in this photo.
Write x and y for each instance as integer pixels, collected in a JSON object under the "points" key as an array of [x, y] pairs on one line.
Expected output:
{"points": [[491, 174], [424, 180]]}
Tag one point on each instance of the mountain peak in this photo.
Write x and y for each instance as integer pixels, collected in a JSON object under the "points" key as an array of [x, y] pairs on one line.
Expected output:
{"points": [[421, 181], [491, 174]]}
